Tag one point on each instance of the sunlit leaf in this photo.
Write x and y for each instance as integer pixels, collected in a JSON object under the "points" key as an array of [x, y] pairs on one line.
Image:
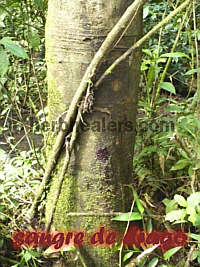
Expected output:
{"points": [[168, 87], [145, 12], [194, 236], [175, 215], [147, 52], [190, 72], [170, 204], [153, 262], [134, 216], [167, 255], [180, 200], [194, 199], [15, 49], [175, 55], [128, 255], [27, 256], [137, 200], [195, 254]]}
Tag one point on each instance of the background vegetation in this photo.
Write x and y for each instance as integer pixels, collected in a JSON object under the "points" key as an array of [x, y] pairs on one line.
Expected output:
{"points": [[167, 159]]}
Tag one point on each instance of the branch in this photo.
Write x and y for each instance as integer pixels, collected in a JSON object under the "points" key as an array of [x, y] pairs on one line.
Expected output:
{"points": [[107, 45], [141, 41]]}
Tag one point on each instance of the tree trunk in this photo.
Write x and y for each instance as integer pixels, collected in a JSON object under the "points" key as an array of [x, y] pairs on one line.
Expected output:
{"points": [[101, 165]]}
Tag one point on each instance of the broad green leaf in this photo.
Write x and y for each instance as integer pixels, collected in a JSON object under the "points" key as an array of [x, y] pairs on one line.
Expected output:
{"points": [[183, 153], [175, 215], [150, 77], [134, 216], [181, 164], [161, 60], [137, 200], [190, 210], [149, 226], [193, 217], [166, 201], [170, 204], [175, 54], [197, 221], [34, 254], [15, 49], [197, 166], [27, 256], [195, 254], [168, 87], [144, 66], [190, 72], [194, 199], [194, 236], [4, 63], [145, 12], [190, 171], [147, 52], [153, 262], [180, 200], [167, 255], [128, 255], [142, 263], [139, 206]]}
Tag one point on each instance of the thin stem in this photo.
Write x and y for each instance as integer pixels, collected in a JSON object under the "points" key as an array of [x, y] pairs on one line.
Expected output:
{"points": [[197, 94], [172, 50], [126, 230], [140, 42]]}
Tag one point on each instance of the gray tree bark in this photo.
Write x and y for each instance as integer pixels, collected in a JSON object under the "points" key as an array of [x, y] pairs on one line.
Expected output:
{"points": [[101, 165]]}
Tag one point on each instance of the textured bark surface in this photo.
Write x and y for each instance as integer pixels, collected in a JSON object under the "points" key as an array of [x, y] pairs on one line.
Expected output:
{"points": [[102, 162]]}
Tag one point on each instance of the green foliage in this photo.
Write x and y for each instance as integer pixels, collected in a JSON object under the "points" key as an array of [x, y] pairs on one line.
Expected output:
{"points": [[185, 211], [18, 177], [14, 49], [28, 257], [169, 87], [129, 216], [22, 66], [171, 252], [153, 262], [196, 255], [167, 152], [22, 95]]}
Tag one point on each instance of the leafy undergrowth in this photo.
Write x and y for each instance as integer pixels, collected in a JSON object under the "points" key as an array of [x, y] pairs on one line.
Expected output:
{"points": [[166, 189]]}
